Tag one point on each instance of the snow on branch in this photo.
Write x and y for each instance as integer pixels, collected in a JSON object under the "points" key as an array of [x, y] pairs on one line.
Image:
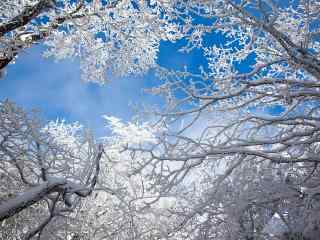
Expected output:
{"points": [[36, 165]]}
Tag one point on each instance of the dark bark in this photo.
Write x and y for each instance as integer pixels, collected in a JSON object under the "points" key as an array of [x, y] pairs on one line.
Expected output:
{"points": [[5, 61], [28, 14], [25, 17]]}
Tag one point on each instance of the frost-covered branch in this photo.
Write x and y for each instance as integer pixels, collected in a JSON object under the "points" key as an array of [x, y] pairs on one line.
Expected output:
{"points": [[119, 36], [241, 144], [57, 164]]}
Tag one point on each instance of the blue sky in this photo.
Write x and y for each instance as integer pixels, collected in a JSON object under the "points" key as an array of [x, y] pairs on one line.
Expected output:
{"points": [[55, 88]]}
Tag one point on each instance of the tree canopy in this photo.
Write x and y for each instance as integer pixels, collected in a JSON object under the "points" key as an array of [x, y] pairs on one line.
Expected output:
{"points": [[232, 154]]}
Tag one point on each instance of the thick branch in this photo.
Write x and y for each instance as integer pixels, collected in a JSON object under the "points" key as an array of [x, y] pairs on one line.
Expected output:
{"points": [[60, 185], [29, 197], [25, 17]]}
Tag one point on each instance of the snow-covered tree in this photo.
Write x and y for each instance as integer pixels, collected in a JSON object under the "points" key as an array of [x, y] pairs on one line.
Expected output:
{"points": [[45, 171], [235, 148], [117, 36], [123, 206], [242, 140]]}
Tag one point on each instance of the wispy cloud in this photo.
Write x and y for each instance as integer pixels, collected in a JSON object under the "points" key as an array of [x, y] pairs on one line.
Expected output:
{"points": [[56, 90]]}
